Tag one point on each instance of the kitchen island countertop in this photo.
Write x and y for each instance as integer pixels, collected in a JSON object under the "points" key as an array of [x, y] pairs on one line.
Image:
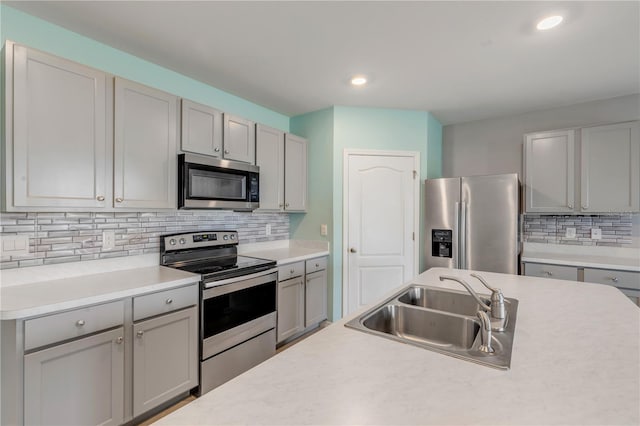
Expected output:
{"points": [[576, 360]]}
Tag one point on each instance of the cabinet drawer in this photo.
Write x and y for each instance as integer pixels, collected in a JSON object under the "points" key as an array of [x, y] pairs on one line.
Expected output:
{"points": [[557, 272], [164, 301], [67, 325], [624, 279], [317, 264], [291, 270]]}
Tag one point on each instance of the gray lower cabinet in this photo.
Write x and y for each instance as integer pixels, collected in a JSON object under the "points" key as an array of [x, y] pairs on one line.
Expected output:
{"points": [[164, 358], [76, 383], [558, 272], [315, 292], [290, 308]]}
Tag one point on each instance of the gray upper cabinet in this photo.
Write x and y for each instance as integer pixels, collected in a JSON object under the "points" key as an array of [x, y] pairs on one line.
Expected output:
{"points": [[145, 146], [57, 150], [270, 159], [549, 172], [610, 168], [201, 129], [239, 139], [295, 173]]}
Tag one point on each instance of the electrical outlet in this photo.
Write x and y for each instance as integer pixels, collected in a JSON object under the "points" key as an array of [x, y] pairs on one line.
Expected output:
{"points": [[108, 240], [267, 229], [323, 230], [596, 233], [570, 233]]}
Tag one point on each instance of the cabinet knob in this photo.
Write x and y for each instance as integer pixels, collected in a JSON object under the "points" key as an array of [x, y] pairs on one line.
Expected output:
{"points": [[119, 200], [100, 198], [119, 340], [216, 149], [168, 301], [547, 273], [281, 205], [614, 279], [317, 265], [140, 334], [353, 250], [292, 271], [286, 205], [570, 205], [79, 323], [585, 206], [226, 151]]}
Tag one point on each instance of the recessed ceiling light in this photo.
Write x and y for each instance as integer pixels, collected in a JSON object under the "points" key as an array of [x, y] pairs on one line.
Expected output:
{"points": [[549, 22], [359, 80]]}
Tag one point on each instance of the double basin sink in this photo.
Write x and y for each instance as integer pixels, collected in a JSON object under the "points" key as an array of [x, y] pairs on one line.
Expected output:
{"points": [[440, 320]]}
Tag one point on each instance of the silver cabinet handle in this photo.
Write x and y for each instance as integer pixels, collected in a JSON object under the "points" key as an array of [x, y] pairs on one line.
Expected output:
{"points": [[119, 200], [216, 149], [570, 205], [226, 151], [119, 340], [548, 273], [281, 205], [317, 265], [79, 323], [352, 250], [139, 334], [168, 301], [584, 207], [292, 271], [286, 205], [100, 198], [614, 279]]}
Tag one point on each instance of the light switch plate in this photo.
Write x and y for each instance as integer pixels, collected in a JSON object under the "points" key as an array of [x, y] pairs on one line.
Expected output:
{"points": [[14, 245], [323, 229], [570, 233], [596, 233]]}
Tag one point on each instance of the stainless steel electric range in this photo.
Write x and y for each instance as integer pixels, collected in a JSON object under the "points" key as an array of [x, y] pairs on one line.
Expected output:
{"points": [[237, 302]]}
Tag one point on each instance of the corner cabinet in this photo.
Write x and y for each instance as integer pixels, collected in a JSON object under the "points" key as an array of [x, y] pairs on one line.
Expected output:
{"points": [[282, 158], [610, 168], [549, 172], [145, 146], [57, 151]]}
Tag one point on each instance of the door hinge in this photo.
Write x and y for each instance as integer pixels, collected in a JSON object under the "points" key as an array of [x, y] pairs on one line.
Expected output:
{"points": [[415, 174]]}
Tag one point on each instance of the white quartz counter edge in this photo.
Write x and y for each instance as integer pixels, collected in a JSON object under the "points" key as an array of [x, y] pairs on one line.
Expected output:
{"points": [[583, 261], [41, 298], [286, 251], [557, 376]]}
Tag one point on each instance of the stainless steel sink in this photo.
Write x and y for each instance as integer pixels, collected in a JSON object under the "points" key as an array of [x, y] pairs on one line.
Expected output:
{"points": [[456, 303], [440, 320], [424, 326]]}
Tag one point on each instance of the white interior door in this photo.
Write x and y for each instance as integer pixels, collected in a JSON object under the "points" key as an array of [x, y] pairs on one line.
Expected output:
{"points": [[381, 223]]}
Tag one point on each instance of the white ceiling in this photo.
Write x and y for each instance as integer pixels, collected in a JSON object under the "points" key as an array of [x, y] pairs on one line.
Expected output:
{"points": [[462, 61]]}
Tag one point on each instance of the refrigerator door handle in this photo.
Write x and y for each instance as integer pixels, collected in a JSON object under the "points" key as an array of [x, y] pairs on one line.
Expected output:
{"points": [[463, 236], [456, 237]]}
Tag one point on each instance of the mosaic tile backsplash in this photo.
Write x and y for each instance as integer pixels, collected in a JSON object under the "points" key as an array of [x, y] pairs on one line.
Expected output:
{"points": [[73, 237], [616, 229]]}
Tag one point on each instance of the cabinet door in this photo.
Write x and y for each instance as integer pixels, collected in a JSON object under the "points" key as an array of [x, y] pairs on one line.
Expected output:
{"points": [[270, 158], [201, 129], [239, 139], [295, 174], [610, 168], [76, 383], [558, 272], [549, 172], [60, 149], [315, 298], [145, 161], [290, 308], [165, 358]]}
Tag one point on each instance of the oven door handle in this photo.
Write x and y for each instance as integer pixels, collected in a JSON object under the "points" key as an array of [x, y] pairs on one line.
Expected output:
{"points": [[240, 283]]}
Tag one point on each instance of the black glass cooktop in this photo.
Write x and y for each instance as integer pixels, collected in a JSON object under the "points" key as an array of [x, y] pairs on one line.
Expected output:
{"points": [[228, 267]]}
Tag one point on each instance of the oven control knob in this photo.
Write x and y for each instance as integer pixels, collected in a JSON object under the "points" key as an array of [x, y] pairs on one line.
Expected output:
{"points": [[172, 242], [182, 241], [233, 237], [225, 237]]}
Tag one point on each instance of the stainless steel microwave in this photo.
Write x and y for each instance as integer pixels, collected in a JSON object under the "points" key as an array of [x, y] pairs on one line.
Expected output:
{"points": [[211, 183]]}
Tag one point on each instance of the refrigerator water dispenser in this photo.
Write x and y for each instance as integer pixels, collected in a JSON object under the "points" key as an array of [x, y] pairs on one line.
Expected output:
{"points": [[441, 242]]}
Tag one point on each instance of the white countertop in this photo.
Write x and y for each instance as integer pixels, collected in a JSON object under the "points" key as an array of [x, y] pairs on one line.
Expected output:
{"points": [[285, 251], [618, 258], [44, 297], [576, 360]]}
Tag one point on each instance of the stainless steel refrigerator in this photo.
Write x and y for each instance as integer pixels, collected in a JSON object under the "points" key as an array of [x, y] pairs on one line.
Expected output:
{"points": [[472, 223]]}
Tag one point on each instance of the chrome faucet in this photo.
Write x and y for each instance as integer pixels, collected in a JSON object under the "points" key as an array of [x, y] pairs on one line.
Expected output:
{"points": [[485, 333], [497, 307]]}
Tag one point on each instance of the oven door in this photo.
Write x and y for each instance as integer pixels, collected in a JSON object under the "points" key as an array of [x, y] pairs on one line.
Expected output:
{"points": [[236, 311], [214, 183]]}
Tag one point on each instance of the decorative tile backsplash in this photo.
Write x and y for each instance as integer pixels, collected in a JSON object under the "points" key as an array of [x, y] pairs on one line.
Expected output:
{"points": [[616, 229], [73, 237]]}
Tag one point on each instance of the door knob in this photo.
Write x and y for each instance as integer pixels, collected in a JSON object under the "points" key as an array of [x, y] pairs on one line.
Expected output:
{"points": [[352, 250]]}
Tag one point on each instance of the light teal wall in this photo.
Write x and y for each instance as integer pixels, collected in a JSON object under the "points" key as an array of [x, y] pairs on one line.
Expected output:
{"points": [[341, 128], [37, 33]]}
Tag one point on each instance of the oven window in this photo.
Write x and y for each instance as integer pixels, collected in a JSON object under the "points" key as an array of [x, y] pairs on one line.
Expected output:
{"points": [[225, 312], [215, 185]]}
